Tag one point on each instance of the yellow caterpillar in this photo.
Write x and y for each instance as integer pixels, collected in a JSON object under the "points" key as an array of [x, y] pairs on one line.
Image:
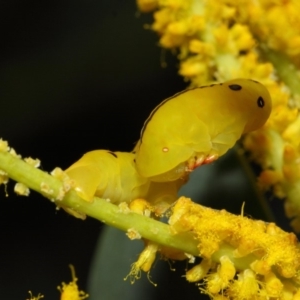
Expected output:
{"points": [[191, 128], [199, 125], [113, 175]]}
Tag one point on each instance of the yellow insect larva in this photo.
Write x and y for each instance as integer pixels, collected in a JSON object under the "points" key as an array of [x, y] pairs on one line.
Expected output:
{"points": [[113, 175], [199, 125], [109, 175]]}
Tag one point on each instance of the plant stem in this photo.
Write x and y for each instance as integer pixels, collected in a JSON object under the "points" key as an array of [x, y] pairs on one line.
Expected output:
{"points": [[99, 209], [109, 213]]}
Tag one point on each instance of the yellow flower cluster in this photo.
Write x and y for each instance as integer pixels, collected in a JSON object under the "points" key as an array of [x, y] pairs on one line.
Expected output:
{"points": [[219, 39], [225, 39], [242, 258], [70, 291], [276, 23]]}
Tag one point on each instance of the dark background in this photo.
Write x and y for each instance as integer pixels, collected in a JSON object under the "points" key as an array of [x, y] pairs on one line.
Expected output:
{"points": [[77, 76]]}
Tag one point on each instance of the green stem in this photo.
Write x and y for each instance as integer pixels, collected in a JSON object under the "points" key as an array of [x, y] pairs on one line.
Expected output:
{"points": [[99, 209], [285, 69], [109, 213], [265, 211]]}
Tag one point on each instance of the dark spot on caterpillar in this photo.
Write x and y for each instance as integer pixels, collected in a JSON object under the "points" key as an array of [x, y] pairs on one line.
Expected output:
{"points": [[231, 23], [243, 52], [235, 87], [260, 102], [113, 154], [212, 85]]}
